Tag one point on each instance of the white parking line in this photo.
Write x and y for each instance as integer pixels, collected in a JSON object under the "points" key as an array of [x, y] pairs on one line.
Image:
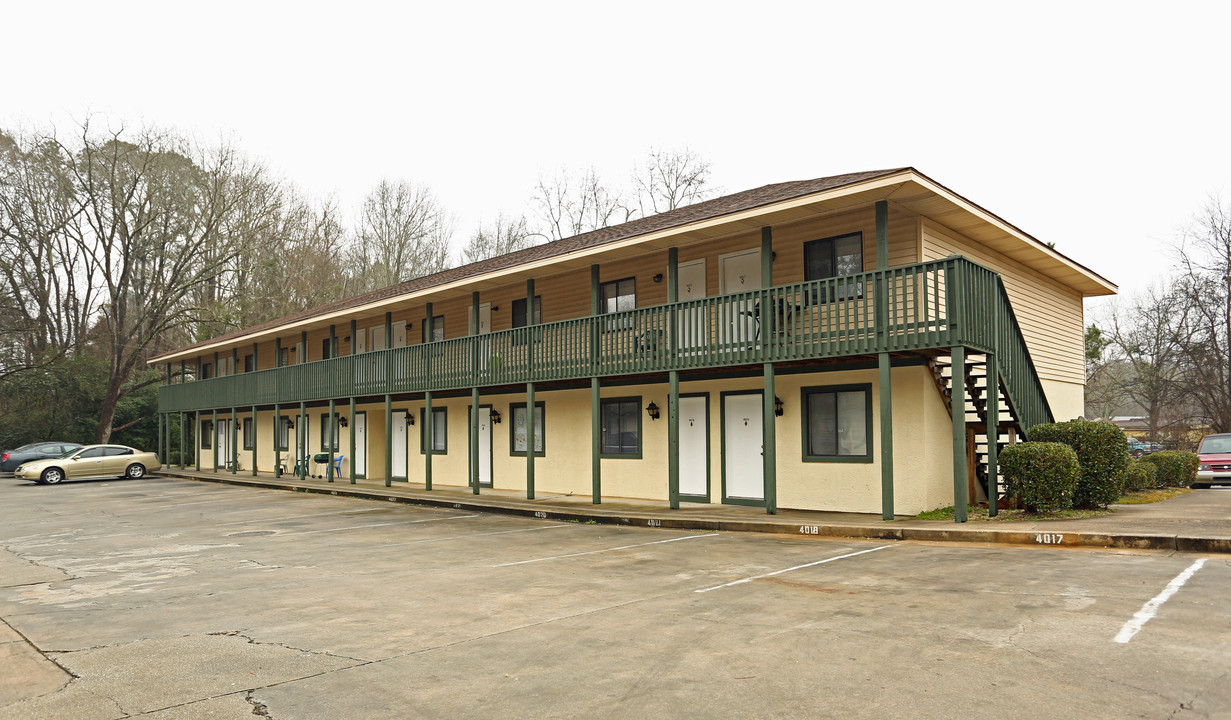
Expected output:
{"points": [[787, 570], [467, 536], [1147, 611], [289, 517], [592, 552], [360, 527]]}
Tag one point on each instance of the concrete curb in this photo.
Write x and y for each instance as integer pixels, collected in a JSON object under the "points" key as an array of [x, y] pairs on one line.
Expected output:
{"points": [[1052, 537]]}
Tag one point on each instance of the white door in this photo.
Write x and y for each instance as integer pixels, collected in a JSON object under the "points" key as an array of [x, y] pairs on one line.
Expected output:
{"points": [[361, 341], [694, 459], [694, 322], [740, 272], [359, 426], [399, 334], [222, 445], [378, 337], [399, 445], [485, 446], [743, 447]]}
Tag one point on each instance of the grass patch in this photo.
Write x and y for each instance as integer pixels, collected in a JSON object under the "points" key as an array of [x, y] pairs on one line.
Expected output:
{"points": [[1151, 496], [979, 514]]}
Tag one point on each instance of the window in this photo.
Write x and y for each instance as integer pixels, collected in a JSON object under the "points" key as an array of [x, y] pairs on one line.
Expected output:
{"points": [[284, 433], [249, 433], [207, 371], [440, 430], [519, 317], [517, 429], [618, 296], [325, 430], [836, 257], [438, 329], [249, 363], [207, 434], [326, 348], [92, 453], [621, 427], [117, 451], [283, 357], [837, 423]]}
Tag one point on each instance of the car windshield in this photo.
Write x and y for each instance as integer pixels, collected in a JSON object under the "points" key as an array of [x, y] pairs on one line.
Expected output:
{"points": [[1219, 445], [31, 446]]}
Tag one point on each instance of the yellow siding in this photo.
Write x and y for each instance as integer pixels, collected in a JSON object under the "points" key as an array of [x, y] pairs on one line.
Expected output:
{"points": [[1050, 314]]}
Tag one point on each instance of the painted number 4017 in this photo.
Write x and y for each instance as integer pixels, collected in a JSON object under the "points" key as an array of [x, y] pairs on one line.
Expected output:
{"points": [[1048, 538]]}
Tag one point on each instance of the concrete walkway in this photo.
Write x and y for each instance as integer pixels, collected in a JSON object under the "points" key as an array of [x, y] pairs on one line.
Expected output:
{"points": [[1199, 521]]}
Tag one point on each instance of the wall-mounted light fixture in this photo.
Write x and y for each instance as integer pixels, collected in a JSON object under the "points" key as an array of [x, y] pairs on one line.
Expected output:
{"points": [[495, 308], [652, 409], [658, 278], [343, 422], [346, 339], [777, 406], [495, 416], [410, 419]]}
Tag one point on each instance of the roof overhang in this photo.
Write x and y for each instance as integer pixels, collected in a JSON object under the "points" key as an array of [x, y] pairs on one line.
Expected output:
{"points": [[908, 189]]}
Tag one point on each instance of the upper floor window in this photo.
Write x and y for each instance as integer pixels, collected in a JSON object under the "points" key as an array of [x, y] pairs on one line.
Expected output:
{"points": [[618, 296], [438, 329], [207, 371], [519, 311], [836, 257]]}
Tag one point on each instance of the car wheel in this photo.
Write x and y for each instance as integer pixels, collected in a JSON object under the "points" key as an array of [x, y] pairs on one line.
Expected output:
{"points": [[51, 476], [1199, 486], [135, 471]]}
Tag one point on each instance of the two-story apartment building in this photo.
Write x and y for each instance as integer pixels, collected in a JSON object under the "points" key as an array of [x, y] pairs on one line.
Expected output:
{"points": [[844, 343]]}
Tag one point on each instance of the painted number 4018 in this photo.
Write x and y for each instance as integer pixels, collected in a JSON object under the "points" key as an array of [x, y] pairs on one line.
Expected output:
{"points": [[1048, 538], [810, 529]]}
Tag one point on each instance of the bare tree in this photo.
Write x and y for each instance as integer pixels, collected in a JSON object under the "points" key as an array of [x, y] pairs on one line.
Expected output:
{"points": [[670, 179], [152, 233], [1148, 340], [505, 235], [1205, 287], [571, 206], [403, 233]]}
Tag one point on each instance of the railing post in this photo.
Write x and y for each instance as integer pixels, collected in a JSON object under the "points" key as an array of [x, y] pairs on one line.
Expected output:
{"points": [[332, 436], [529, 440], [993, 435], [673, 381], [301, 441], [181, 463], [769, 439], [388, 441], [234, 441], [196, 451], [428, 438], [595, 307], [596, 442], [957, 400], [884, 367], [277, 443], [350, 436], [255, 434]]}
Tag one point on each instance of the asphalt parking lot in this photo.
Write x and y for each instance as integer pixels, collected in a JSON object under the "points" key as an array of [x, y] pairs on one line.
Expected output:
{"points": [[165, 598]]}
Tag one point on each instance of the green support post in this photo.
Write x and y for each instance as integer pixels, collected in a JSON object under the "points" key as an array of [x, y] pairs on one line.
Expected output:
{"points": [[673, 439], [595, 342], [277, 352], [769, 438], [181, 434], [882, 234], [767, 257], [256, 357], [330, 438], [333, 341], [234, 361], [234, 441], [301, 441], [388, 331], [350, 436], [388, 440], [529, 440], [886, 402], [183, 367], [255, 431], [161, 450], [354, 334], [427, 434], [216, 373], [596, 443], [957, 399], [474, 440], [277, 434], [196, 451], [303, 344], [993, 436], [214, 440]]}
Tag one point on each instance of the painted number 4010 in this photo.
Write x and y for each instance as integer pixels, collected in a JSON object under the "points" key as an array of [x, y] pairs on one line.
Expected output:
{"points": [[1048, 538]]}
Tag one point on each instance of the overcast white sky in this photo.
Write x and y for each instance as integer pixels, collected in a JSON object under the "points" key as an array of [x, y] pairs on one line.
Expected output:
{"points": [[1100, 127]]}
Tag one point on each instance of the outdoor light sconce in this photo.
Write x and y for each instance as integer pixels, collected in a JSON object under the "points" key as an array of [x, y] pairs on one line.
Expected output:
{"points": [[777, 406], [652, 409], [658, 278], [495, 416], [343, 422], [410, 419]]}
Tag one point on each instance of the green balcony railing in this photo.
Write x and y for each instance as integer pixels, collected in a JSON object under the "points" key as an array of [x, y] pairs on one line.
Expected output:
{"points": [[916, 307]]}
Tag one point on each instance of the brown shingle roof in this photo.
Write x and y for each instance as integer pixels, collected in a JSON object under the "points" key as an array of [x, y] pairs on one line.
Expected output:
{"points": [[725, 205]]}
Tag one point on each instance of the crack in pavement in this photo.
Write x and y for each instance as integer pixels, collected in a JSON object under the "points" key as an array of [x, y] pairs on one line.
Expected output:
{"points": [[253, 641]]}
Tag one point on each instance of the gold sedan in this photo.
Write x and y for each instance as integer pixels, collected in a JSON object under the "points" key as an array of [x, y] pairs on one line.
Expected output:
{"points": [[89, 462]]}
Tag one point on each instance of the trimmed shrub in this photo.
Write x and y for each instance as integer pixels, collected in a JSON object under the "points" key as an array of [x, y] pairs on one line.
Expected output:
{"points": [[1140, 476], [1175, 468], [1043, 475], [1102, 451]]}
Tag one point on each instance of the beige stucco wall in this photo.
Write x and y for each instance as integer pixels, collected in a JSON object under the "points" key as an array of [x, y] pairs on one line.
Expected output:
{"points": [[922, 444]]}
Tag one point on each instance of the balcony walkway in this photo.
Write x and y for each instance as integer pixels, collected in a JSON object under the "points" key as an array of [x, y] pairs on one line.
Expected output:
{"points": [[1197, 522]]}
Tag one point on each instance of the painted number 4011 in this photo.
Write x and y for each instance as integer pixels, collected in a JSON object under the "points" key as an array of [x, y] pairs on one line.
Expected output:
{"points": [[1049, 538]]}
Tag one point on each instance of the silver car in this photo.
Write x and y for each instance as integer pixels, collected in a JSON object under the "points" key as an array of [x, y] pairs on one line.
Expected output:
{"points": [[89, 462]]}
